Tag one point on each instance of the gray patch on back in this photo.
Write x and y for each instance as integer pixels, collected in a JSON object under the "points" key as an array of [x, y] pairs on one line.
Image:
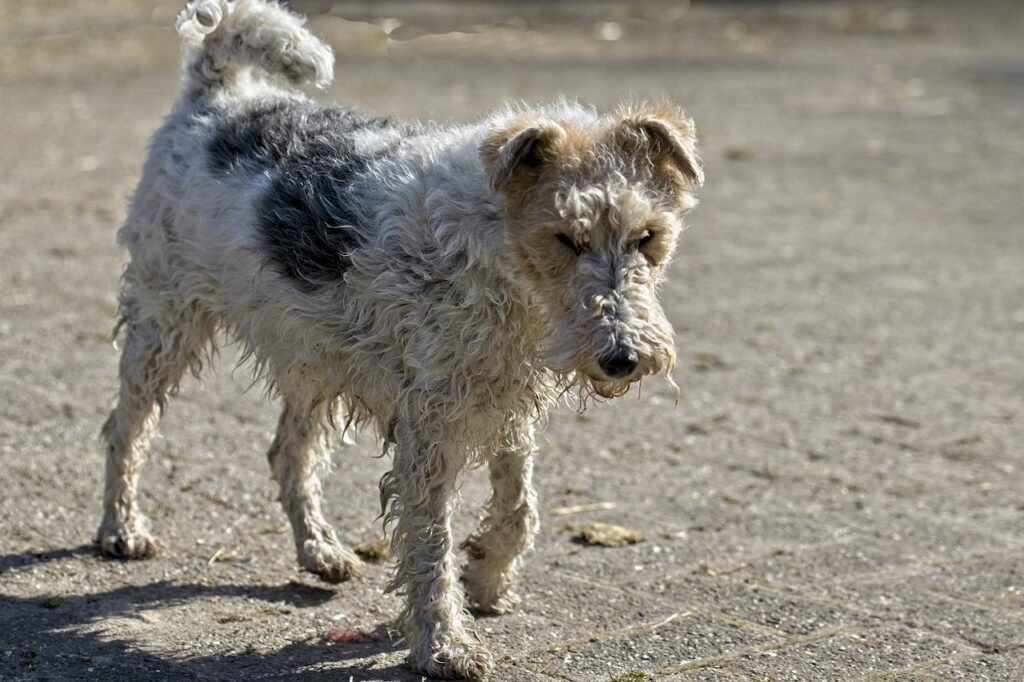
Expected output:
{"points": [[308, 222]]}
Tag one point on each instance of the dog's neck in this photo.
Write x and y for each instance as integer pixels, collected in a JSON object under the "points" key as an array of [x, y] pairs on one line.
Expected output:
{"points": [[462, 210]]}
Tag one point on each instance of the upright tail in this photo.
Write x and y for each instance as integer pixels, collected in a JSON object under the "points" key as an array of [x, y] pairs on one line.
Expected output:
{"points": [[226, 37]]}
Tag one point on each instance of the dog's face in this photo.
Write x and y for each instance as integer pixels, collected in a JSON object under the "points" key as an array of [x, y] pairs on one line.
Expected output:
{"points": [[592, 218]]}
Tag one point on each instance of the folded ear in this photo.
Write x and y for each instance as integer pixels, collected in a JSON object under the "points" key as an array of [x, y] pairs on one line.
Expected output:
{"points": [[666, 137], [517, 152]]}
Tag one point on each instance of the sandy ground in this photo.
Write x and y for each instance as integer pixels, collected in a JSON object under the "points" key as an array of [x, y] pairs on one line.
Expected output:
{"points": [[838, 495]]}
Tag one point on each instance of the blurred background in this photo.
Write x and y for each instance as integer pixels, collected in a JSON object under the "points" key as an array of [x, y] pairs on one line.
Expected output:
{"points": [[837, 495]]}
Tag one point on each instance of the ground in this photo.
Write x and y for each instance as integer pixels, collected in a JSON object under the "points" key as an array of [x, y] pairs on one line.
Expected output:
{"points": [[839, 492]]}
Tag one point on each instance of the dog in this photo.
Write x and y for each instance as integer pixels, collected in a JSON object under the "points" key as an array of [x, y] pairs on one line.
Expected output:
{"points": [[444, 285]]}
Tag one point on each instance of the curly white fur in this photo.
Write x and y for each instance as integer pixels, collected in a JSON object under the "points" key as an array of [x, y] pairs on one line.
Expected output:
{"points": [[226, 38], [456, 322]]}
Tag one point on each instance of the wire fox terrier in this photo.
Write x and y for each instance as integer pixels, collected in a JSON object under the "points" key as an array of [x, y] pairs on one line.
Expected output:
{"points": [[444, 284]]}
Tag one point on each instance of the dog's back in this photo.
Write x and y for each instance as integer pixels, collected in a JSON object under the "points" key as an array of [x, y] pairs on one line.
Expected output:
{"points": [[307, 231], [248, 179]]}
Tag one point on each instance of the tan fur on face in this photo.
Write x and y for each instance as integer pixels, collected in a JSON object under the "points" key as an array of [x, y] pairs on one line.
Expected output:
{"points": [[662, 136], [616, 190]]}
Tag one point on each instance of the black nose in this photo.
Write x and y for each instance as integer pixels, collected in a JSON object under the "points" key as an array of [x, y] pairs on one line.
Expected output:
{"points": [[621, 362]]}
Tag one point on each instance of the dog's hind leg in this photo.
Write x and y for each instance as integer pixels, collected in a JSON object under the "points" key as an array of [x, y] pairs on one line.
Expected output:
{"points": [[158, 348], [508, 528], [298, 458]]}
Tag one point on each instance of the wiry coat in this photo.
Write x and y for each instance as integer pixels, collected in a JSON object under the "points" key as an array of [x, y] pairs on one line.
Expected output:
{"points": [[372, 265]]}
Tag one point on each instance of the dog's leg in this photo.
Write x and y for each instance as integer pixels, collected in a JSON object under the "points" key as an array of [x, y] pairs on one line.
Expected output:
{"points": [[298, 458], [156, 354], [508, 528], [421, 493]]}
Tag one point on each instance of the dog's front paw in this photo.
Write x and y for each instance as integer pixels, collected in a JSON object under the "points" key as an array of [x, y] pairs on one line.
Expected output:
{"points": [[329, 560], [488, 587], [494, 604], [125, 542], [459, 659]]}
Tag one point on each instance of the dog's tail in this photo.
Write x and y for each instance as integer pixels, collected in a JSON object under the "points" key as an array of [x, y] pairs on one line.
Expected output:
{"points": [[225, 38]]}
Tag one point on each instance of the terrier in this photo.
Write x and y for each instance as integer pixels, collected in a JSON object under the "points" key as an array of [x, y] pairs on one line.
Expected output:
{"points": [[443, 284]]}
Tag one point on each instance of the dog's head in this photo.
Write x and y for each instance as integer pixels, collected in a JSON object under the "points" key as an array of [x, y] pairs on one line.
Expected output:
{"points": [[593, 211]]}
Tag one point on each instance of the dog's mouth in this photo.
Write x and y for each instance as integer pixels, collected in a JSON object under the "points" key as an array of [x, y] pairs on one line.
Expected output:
{"points": [[612, 382], [592, 381], [608, 388], [610, 370], [597, 375], [611, 376]]}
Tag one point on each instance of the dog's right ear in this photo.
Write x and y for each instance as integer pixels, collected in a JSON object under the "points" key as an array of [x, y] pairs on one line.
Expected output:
{"points": [[515, 154]]}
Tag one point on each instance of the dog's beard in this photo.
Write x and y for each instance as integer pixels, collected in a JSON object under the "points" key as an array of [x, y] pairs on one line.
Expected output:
{"points": [[573, 378]]}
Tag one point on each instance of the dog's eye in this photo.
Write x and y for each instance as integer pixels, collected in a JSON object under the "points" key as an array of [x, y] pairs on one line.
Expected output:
{"points": [[643, 241], [567, 242]]}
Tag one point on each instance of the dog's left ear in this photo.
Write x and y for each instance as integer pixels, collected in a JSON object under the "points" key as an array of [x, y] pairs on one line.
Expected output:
{"points": [[666, 137]]}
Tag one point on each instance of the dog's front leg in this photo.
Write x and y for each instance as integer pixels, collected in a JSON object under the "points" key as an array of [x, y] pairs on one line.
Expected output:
{"points": [[510, 524], [420, 492]]}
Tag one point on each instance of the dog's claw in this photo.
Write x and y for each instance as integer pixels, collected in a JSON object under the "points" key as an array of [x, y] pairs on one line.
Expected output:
{"points": [[500, 605], [457, 660], [332, 562], [488, 588], [123, 543]]}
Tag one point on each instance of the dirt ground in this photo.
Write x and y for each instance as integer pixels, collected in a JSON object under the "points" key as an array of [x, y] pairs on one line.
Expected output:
{"points": [[838, 495]]}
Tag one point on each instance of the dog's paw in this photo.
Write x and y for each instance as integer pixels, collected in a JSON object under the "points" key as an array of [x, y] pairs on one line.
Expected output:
{"points": [[330, 561], [127, 543], [488, 588], [494, 604], [459, 659]]}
